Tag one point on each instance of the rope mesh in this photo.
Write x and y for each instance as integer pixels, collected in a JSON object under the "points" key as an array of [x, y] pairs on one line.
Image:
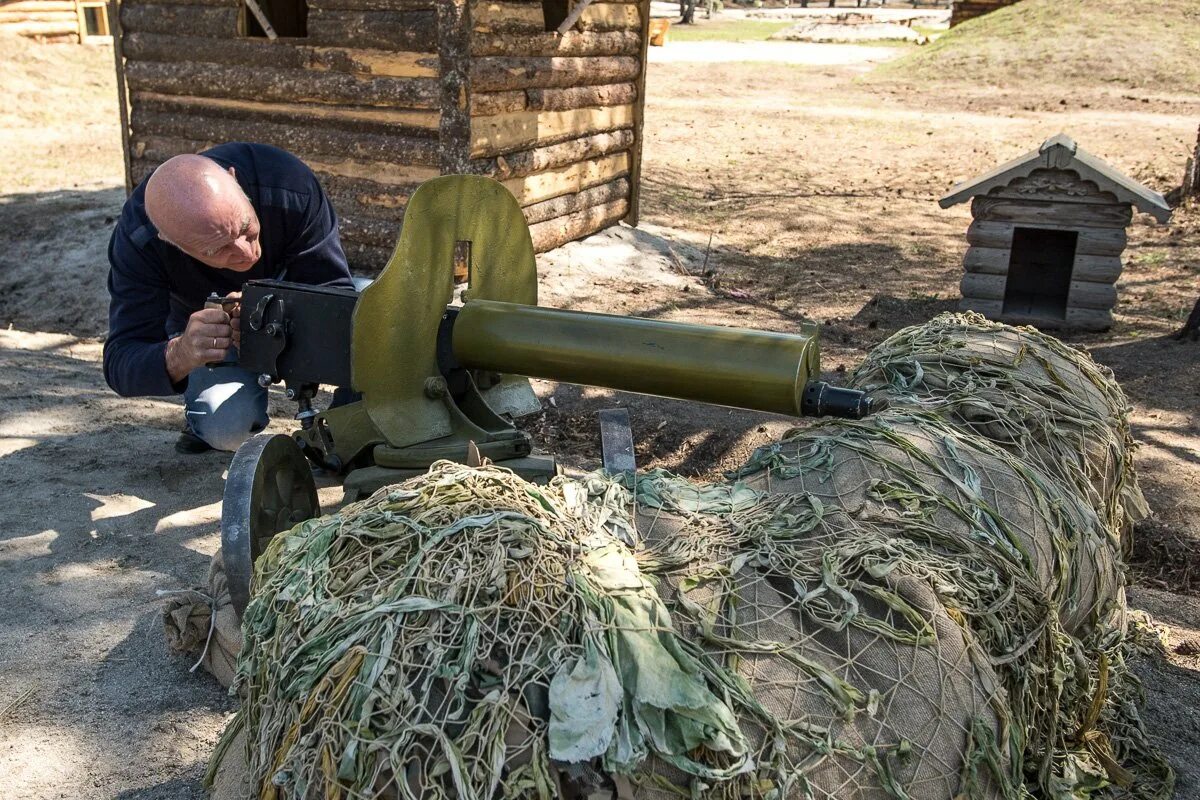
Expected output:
{"points": [[924, 604]]}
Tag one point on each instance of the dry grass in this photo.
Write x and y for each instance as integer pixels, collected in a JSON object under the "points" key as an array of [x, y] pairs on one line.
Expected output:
{"points": [[1144, 44]]}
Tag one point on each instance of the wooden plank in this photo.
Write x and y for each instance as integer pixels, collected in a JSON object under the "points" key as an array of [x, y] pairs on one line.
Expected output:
{"points": [[48, 28], [362, 118], [570, 179], [490, 16], [384, 30], [347, 206], [365, 259], [992, 309], [983, 286], [123, 104], [454, 43], [574, 43], [1051, 215], [1092, 241], [399, 175], [555, 232], [527, 162], [370, 198], [39, 6], [257, 52], [280, 85], [485, 104], [570, 203], [9, 17], [366, 230], [1089, 294], [303, 140], [1089, 319], [522, 130], [611, 94], [495, 73], [149, 151], [1098, 269], [489, 103], [373, 5], [987, 260], [639, 116], [199, 21]]}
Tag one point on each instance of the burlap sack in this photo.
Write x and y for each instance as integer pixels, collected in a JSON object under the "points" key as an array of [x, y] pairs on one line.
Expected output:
{"points": [[190, 627]]}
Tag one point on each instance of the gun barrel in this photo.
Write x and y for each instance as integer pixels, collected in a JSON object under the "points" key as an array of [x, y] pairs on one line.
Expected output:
{"points": [[738, 367]]}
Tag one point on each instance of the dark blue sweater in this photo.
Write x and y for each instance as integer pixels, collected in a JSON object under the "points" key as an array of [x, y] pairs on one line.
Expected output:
{"points": [[154, 287]]}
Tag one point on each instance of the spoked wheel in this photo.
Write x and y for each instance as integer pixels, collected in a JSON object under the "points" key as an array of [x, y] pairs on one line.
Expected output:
{"points": [[269, 489]]}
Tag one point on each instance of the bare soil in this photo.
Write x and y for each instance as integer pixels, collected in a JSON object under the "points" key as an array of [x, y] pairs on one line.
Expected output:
{"points": [[773, 195]]}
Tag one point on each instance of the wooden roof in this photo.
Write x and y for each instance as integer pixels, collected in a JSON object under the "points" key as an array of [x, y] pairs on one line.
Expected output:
{"points": [[1061, 152]]}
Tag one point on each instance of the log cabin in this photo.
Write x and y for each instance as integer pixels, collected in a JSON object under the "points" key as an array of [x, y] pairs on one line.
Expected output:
{"points": [[82, 21], [1047, 237], [378, 96]]}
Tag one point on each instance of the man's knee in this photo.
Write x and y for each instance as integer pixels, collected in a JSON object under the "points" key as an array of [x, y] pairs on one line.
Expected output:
{"points": [[227, 412]]}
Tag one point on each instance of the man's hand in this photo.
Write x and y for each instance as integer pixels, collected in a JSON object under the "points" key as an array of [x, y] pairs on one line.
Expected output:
{"points": [[233, 305], [206, 338]]}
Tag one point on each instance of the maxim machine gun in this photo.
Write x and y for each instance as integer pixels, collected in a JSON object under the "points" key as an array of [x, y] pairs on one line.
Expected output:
{"points": [[434, 380]]}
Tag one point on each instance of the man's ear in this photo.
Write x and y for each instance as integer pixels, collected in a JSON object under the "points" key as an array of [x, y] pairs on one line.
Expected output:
{"points": [[232, 173]]}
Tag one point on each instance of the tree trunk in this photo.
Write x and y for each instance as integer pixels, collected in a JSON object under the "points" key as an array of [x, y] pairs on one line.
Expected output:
{"points": [[1191, 328], [689, 12]]}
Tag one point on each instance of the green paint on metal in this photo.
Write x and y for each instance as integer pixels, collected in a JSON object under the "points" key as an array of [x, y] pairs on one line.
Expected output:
{"points": [[396, 321]]}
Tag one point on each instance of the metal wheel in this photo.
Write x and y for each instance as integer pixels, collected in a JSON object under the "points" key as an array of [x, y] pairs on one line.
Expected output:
{"points": [[269, 489]]}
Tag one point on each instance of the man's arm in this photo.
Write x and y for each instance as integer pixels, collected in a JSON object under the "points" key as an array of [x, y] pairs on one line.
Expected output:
{"points": [[314, 254], [138, 359], [139, 301]]}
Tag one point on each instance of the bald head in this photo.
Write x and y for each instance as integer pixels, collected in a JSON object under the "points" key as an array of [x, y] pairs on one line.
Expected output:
{"points": [[201, 209]]}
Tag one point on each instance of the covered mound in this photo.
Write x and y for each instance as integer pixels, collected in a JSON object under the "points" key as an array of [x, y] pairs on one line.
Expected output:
{"points": [[1047, 404], [468, 634], [893, 608], [1149, 44]]}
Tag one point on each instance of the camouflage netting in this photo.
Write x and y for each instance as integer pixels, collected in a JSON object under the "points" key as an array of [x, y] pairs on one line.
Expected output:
{"points": [[893, 608], [1025, 391]]}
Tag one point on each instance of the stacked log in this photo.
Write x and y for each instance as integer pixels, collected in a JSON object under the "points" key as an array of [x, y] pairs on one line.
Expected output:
{"points": [[1191, 173], [357, 100], [53, 20], [555, 117], [381, 95], [1097, 220]]}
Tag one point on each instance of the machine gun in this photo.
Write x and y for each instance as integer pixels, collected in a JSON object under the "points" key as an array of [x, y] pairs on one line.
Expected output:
{"points": [[436, 380]]}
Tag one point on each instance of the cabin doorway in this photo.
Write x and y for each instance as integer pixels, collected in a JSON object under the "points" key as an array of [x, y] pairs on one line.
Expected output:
{"points": [[1039, 273], [289, 18]]}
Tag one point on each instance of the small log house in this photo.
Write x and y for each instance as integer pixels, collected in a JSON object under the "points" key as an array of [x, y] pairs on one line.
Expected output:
{"points": [[1046, 241], [378, 96], [83, 21]]}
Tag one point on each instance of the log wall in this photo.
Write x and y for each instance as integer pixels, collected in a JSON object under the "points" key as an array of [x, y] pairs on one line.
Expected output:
{"points": [[554, 117], [1097, 219], [54, 20], [382, 95]]}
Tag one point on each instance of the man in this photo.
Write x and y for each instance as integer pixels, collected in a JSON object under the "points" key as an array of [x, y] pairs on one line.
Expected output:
{"points": [[201, 224]]}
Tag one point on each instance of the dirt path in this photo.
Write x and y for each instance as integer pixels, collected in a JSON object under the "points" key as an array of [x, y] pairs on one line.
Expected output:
{"points": [[773, 196]]}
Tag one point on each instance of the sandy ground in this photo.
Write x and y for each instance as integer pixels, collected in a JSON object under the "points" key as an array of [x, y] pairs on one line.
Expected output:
{"points": [[792, 53], [772, 197]]}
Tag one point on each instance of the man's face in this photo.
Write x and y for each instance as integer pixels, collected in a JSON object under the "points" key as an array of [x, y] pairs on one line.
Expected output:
{"points": [[227, 236]]}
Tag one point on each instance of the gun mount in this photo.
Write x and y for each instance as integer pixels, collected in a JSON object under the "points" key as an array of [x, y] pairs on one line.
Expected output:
{"points": [[437, 380]]}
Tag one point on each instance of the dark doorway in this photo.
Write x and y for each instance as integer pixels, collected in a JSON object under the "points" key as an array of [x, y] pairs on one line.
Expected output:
{"points": [[554, 13], [1039, 273], [289, 18]]}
